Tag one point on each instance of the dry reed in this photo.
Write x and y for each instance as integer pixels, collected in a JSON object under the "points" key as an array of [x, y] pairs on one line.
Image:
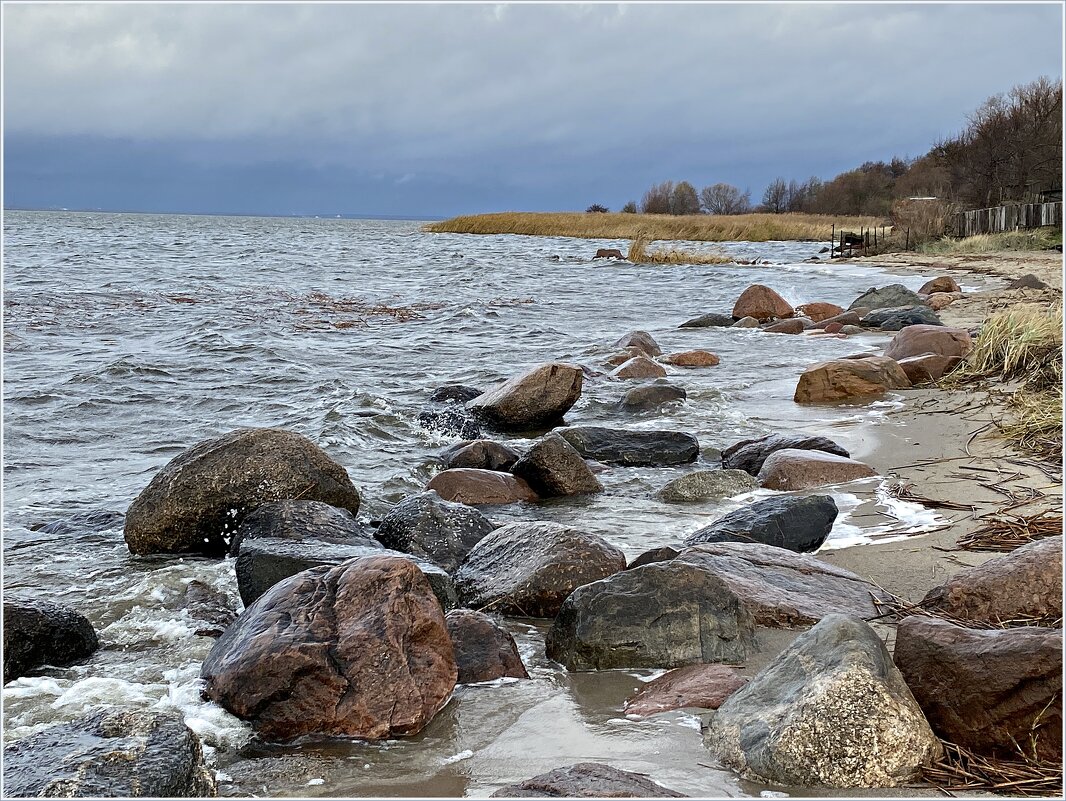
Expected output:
{"points": [[1035, 239], [639, 254], [961, 770], [1010, 532]]}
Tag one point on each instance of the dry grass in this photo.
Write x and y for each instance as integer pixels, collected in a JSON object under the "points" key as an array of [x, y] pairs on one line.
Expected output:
{"points": [[1036, 239], [1010, 532], [696, 228], [961, 770], [639, 254]]}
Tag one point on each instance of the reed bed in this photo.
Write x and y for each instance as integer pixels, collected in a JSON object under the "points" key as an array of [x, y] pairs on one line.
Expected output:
{"points": [[1009, 532], [961, 770], [695, 227], [639, 254], [1035, 239]]}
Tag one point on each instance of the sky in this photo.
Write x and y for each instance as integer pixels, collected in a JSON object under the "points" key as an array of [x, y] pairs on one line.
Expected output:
{"points": [[441, 109]]}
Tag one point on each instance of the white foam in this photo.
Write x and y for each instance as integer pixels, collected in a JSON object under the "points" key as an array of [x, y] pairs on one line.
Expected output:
{"points": [[454, 758]]}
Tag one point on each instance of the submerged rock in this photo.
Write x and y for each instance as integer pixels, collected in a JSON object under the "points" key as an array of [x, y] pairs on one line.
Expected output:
{"points": [[587, 780], [454, 393], [746, 322], [651, 397], [480, 454], [639, 367], [484, 650], [553, 468], [632, 448], [301, 520], [704, 485], [710, 320], [209, 607], [797, 524], [535, 399], [700, 685], [433, 529], [464, 485], [89, 522], [452, 420], [749, 454], [38, 632]]}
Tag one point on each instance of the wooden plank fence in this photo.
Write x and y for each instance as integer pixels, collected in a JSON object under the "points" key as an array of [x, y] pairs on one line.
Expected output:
{"points": [[1007, 218]]}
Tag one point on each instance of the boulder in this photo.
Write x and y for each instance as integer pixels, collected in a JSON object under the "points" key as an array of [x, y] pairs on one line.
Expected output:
{"points": [[797, 524], [587, 780], [792, 326], [762, 303], [623, 356], [663, 553], [433, 529], [851, 330], [198, 499], [844, 318], [208, 607], [892, 296], [896, 319], [633, 448], [553, 468], [819, 312], [608, 253], [704, 485], [749, 454], [701, 686], [941, 300], [480, 454], [918, 340], [921, 369], [639, 367], [990, 691], [746, 322], [466, 485], [692, 358], [651, 397], [943, 283], [665, 614], [842, 379], [789, 469], [452, 420], [301, 520], [785, 589], [484, 650], [1027, 281], [110, 753], [535, 399], [92, 521], [642, 340], [711, 320], [357, 650], [833, 328], [528, 569], [830, 711], [1025, 583], [38, 632], [454, 393]]}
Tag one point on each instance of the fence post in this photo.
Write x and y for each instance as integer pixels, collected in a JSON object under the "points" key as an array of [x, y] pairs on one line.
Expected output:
{"points": [[832, 240]]}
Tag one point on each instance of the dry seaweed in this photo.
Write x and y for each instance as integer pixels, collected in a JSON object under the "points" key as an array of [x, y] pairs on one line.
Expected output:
{"points": [[1007, 532], [961, 770]]}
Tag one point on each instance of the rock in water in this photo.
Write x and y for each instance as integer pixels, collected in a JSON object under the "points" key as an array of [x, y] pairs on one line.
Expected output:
{"points": [[301, 520], [195, 502], [820, 312], [893, 296], [666, 614], [553, 468], [587, 780], [841, 379], [480, 454], [639, 367], [453, 420], [40, 632], [798, 524], [918, 340], [702, 686], [465, 485], [92, 521], [692, 358], [749, 454], [528, 569], [209, 607], [632, 448], [746, 322], [706, 484], [989, 691], [896, 319], [651, 397], [110, 754], [454, 393], [830, 711], [791, 469], [790, 326], [642, 340], [484, 650], [357, 650], [433, 529], [536, 399], [762, 303], [711, 320]]}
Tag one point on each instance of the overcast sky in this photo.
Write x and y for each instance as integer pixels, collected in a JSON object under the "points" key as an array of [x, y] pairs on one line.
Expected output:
{"points": [[448, 109]]}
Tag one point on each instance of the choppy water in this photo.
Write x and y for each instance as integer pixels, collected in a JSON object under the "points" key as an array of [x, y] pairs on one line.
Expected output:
{"points": [[130, 337]]}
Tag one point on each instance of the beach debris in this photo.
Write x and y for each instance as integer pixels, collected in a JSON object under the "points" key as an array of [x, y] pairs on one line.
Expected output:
{"points": [[962, 771], [1008, 532]]}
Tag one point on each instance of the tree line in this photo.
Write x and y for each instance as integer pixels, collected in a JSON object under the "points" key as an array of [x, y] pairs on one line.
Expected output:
{"points": [[1009, 151]]}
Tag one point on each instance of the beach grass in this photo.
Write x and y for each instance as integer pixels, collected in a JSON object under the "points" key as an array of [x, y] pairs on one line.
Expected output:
{"points": [[1035, 239], [639, 254], [694, 227]]}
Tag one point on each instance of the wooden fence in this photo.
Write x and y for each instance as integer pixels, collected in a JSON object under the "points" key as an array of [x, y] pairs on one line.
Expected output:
{"points": [[1007, 218]]}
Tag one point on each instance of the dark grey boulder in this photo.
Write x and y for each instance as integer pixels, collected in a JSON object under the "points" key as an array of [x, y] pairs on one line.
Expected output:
{"points": [[454, 393], [110, 754], [438, 531], [209, 607], [587, 780], [632, 448], [88, 522], [1027, 281], [660, 615], [651, 397], [711, 320], [262, 563], [796, 523], [534, 400], [553, 468], [640, 339], [830, 711], [451, 420], [480, 454], [301, 520], [749, 454], [484, 650], [663, 553], [38, 632], [896, 319], [891, 296]]}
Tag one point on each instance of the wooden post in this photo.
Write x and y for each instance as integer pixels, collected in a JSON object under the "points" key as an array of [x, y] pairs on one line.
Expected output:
{"points": [[832, 240], [908, 245]]}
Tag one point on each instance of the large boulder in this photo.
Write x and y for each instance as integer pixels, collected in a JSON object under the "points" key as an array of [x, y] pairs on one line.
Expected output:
{"points": [[301, 520], [639, 367], [830, 711], [587, 780], [843, 318], [749, 454], [642, 340], [484, 650], [896, 319], [553, 468], [762, 303], [892, 296], [466, 485], [991, 691], [798, 524], [528, 569], [700, 685], [692, 358], [480, 454], [660, 615], [917, 340], [791, 469], [198, 499], [785, 589], [820, 312], [38, 632], [922, 369], [433, 529], [943, 283], [633, 448], [110, 753], [535, 399], [651, 397], [704, 485], [842, 379], [790, 326], [358, 650], [710, 320], [1025, 583]]}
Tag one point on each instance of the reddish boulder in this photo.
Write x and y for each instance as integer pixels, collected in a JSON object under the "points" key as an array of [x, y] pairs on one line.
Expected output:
{"points": [[484, 650], [537, 398], [639, 367], [844, 318], [833, 328], [692, 358], [642, 340], [356, 650], [930, 367], [987, 690], [917, 340], [942, 283], [792, 326], [842, 379], [762, 303], [554, 468], [480, 454], [941, 300], [702, 686], [474, 487], [623, 356], [819, 312], [793, 469], [608, 253]]}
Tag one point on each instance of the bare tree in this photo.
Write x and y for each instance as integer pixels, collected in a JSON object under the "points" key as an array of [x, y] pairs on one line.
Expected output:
{"points": [[629, 208], [775, 198], [657, 199], [683, 200], [725, 199]]}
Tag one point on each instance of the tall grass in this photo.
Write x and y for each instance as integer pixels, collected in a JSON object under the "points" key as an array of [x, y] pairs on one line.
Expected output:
{"points": [[1036, 239], [696, 227], [639, 254]]}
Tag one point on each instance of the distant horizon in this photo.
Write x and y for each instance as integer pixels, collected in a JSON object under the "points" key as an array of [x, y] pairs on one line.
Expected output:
{"points": [[291, 215]]}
